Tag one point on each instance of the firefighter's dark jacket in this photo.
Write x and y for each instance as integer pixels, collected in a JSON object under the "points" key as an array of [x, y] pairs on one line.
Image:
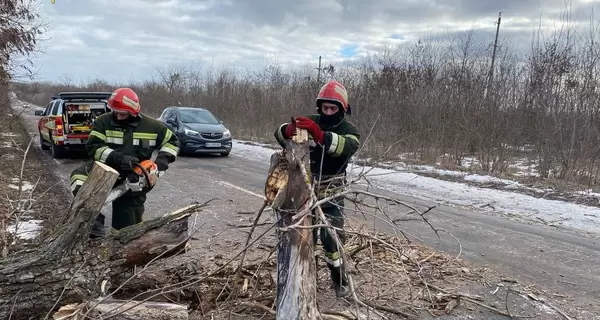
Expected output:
{"points": [[138, 138]]}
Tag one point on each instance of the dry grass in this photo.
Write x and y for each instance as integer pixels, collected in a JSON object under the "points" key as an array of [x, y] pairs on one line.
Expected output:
{"points": [[28, 188]]}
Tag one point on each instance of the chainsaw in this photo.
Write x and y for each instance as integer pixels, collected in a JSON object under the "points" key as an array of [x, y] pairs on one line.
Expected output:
{"points": [[146, 173]]}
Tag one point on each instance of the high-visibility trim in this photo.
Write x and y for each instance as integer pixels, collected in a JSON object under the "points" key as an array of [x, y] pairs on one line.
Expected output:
{"points": [[351, 136], [337, 144], [333, 258], [98, 135], [166, 138], [114, 140], [114, 134], [102, 154], [75, 184], [145, 135], [136, 142], [170, 149], [80, 177]]}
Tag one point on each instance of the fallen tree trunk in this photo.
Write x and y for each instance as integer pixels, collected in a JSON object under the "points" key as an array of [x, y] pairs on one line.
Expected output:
{"points": [[71, 268], [288, 192]]}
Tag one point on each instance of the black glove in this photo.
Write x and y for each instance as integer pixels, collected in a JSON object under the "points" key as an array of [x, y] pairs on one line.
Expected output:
{"points": [[121, 162], [162, 162], [134, 177]]}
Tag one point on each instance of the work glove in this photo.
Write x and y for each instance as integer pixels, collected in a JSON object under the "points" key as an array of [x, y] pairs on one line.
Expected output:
{"points": [[121, 162], [290, 130], [312, 127], [162, 163]]}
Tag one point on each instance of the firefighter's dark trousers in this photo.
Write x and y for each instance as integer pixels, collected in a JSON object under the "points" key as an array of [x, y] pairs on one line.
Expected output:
{"points": [[127, 210], [334, 213]]}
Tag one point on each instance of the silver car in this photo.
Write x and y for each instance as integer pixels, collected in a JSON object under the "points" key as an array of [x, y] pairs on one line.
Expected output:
{"points": [[198, 130]]}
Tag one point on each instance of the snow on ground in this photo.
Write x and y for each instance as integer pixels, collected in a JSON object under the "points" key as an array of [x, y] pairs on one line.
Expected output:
{"points": [[554, 212], [26, 230], [25, 185]]}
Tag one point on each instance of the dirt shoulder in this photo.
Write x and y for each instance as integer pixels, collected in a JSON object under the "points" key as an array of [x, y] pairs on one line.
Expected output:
{"points": [[36, 198]]}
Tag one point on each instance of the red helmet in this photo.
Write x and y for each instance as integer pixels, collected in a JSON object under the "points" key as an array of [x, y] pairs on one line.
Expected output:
{"points": [[333, 92], [125, 99]]}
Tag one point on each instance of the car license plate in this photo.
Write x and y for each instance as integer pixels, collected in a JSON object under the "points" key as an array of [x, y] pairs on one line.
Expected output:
{"points": [[213, 144]]}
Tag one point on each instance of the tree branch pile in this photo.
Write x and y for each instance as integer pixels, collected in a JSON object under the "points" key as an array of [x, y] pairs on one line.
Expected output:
{"points": [[71, 268], [391, 276]]}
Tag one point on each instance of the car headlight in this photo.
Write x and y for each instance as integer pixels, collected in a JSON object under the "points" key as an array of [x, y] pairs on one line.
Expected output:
{"points": [[227, 134], [190, 132]]}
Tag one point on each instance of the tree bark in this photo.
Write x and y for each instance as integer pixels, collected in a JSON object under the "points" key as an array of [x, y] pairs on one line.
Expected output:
{"points": [[288, 191], [71, 268]]}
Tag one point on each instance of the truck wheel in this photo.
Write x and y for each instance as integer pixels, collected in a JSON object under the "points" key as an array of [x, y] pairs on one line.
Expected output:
{"points": [[56, 151], [42, 144]]}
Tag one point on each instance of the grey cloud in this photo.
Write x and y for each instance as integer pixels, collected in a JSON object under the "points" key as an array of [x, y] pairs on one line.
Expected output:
{"points": [[132, 35]]}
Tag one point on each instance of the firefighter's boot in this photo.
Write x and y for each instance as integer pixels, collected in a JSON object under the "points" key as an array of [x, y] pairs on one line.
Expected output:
{"points": [[340, 281]]}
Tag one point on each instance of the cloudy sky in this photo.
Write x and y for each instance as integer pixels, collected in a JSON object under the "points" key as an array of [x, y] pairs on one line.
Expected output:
{"points": [[120, 40]]}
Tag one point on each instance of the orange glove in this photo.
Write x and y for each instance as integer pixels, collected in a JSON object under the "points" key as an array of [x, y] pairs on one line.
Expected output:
{"points": [[312, 127]]}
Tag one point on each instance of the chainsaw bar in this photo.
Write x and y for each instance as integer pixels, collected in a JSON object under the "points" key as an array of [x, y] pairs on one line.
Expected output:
{"points": [[119, 190]]}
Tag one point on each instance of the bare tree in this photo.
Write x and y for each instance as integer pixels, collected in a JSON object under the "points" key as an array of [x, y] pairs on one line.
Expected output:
{"points": [[20, 31]]}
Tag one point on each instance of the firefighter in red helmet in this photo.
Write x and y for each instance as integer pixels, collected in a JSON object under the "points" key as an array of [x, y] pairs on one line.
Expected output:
{"points": [[334, 141], [121, 138]]}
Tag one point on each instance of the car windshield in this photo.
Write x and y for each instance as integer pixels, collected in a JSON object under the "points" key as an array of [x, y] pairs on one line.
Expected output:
{"points": [[197, 116]]}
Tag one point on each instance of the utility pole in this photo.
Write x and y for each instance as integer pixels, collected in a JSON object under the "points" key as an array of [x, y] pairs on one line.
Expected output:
{"points": [[491, 74], [319, 71]]}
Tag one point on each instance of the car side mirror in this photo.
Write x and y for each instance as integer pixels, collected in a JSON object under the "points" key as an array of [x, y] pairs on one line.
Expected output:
{"points": [[172, 122], [221, 121], [39, 112]]}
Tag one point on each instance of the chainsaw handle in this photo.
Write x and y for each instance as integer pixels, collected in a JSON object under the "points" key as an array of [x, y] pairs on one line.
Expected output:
{"points": [[143, 171]]}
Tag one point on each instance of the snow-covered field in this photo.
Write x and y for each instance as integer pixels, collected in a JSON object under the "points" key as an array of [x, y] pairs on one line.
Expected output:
{"points": [[406, 180]]}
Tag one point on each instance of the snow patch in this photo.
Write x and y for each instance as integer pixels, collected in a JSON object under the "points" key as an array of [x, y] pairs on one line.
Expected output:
{"points": [[7, 144], [398, 179], [26, 230], [7, 157], [25, 185]]}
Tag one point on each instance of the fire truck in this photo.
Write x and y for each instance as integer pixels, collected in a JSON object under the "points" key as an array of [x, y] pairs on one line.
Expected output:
{"points": [[66, 122]]}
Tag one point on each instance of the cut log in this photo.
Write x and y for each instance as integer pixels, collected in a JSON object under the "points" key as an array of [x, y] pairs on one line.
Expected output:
{"points": [[288, 192], [71, 268], [122, 310]]}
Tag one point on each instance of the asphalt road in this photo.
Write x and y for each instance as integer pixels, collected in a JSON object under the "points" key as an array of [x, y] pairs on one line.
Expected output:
{"points": [[554, 260]]}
